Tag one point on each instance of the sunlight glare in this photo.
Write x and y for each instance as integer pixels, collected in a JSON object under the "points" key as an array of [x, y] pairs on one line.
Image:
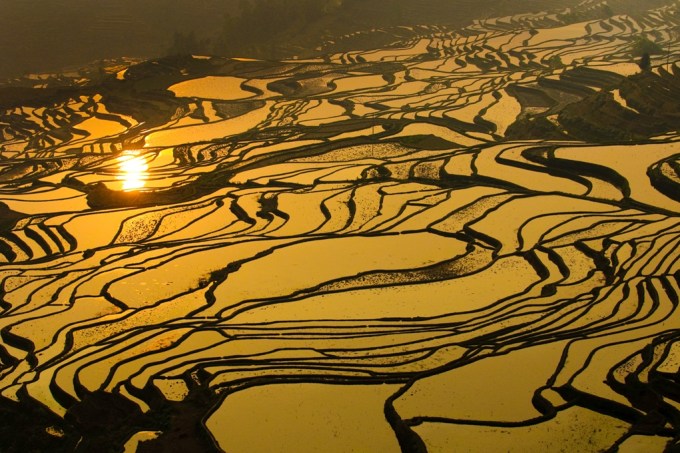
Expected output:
{"points": [[133, 170]]}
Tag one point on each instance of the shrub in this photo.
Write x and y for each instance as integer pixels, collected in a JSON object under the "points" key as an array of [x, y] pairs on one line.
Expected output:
{"points": [[643, 45]]}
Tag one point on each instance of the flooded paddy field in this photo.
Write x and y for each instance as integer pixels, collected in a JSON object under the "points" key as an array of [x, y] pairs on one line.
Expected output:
{"points": [[466, 240]]}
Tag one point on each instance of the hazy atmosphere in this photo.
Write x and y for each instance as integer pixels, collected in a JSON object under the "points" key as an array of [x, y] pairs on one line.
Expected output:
{"points": [[302, 226], [48, 35]]}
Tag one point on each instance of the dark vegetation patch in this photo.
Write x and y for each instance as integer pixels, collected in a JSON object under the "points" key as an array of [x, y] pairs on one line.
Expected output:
{"points": [[652, 110]]}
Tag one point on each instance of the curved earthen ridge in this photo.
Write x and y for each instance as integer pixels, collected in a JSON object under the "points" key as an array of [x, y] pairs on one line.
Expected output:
{"points": [[466, 239]]}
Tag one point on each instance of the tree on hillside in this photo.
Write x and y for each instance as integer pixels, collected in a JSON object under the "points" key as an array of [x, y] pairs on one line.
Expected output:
{"points": [[260, 25], [187, 44], [642, 45]]}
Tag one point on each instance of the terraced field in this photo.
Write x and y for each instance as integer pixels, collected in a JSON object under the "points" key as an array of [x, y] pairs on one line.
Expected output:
{"points": [[467, 241]]}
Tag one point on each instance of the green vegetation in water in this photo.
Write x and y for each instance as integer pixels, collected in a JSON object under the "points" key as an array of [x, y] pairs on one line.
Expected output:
{"points": [[555, 62]]}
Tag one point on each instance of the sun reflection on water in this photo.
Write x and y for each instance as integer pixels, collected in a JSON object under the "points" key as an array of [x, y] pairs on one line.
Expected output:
{"points": [[133, 170]]}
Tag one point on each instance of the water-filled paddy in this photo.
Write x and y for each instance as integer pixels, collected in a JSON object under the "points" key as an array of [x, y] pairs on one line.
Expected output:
{"points": [[451, 241]]}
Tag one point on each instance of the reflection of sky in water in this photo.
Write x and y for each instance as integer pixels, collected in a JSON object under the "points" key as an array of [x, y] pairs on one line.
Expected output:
{"points": [[133, 170], [426, 274]]}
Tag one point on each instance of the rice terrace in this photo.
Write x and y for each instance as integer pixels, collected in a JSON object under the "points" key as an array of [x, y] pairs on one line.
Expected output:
{"points": [[422, 236]]}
